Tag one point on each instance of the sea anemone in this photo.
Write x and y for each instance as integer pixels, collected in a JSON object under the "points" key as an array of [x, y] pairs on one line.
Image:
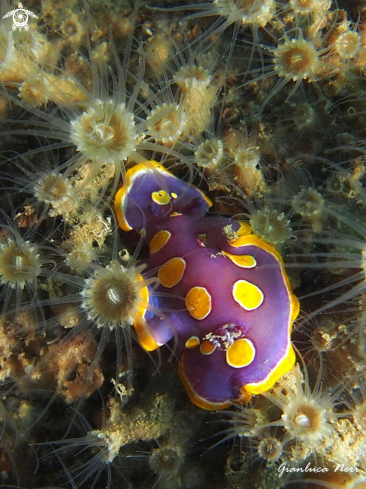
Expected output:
{"points": [[106, 127], [23, 260], [307, 414], [111, 298]]}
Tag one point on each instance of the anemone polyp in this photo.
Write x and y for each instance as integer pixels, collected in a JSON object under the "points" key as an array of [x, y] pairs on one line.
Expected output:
{"points": [[22, 262], [105, 132], [56, 190], [46, 87], [72, 29], [19, 263], [192, 76], [247, 11], [306, 419], [271, 225], [199, 92], [303, 7], [34, 92], [166, 462], [297, 59], [244, 422], [109, 446], [114, 295], [103, 448], [15, 64], [80, 258], [209, 154], [166, 123], [270, 449], [306, 415], [51, 188], [310, 204], [247, 169], [348, 44], [255, 13]]}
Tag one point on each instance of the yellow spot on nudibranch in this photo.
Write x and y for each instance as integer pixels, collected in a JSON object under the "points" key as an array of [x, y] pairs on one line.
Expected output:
{"points": [[174, 195], [161, 197], [171, 273], [247, 295], [192, 342], [242, 261], [198, 302], [207, 348], [159, 240], [174, 214], [240, 353]]}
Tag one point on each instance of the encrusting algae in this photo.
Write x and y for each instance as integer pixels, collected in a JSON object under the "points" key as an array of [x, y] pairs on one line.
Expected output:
{"points": [[261, 106]]}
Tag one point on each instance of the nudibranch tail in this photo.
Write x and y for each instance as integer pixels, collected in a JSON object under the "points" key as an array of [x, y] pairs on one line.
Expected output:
{"points": [[225, 293]]}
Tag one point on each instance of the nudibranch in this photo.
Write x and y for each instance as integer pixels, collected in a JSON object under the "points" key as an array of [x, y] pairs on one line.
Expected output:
{"points": [[227, 300]]}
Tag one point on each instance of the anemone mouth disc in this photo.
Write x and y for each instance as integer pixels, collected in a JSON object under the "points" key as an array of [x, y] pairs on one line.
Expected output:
{"points": [[113, 295], [296, 59], [53, 188], [105, 131], [19, 264]]}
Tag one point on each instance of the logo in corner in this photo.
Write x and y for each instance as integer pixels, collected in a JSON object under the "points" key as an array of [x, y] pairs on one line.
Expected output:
{"points": [[20, 17]]}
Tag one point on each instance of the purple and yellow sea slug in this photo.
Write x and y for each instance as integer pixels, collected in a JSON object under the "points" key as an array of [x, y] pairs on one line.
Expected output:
{"points": [[232, 329]]}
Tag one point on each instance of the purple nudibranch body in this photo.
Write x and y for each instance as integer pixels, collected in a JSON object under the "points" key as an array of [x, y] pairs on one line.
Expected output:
{"points": [[231, 307]]}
